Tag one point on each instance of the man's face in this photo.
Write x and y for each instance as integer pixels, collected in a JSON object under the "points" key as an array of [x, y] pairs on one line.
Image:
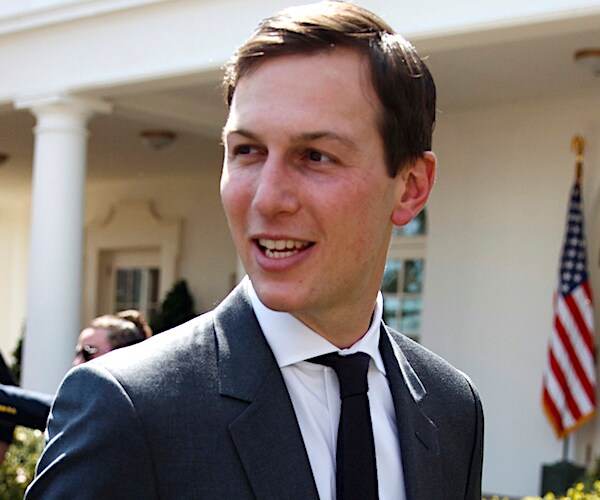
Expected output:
{"points": [[92, 342], [305, 187]]}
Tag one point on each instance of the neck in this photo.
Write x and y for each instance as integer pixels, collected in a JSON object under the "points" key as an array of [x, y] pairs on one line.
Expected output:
{"points": [[342, 330]]}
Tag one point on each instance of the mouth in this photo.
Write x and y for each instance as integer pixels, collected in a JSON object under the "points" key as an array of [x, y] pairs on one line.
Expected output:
{"points": [[281, 249]]}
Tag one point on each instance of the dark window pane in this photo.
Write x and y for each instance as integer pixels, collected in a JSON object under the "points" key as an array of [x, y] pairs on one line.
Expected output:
{"points": [[391, 311], [410, 322], [413, 276], [153, 285], [390, 276], [137, 288], [136, 278], [121, 285]]}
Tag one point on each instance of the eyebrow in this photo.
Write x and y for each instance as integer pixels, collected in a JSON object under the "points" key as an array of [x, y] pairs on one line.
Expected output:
{"points": [[324, 134], [302, 137], [239, 131]]}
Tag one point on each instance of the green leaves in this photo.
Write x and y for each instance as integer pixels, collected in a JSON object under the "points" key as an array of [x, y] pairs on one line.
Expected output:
{"points": [[18, 468]]}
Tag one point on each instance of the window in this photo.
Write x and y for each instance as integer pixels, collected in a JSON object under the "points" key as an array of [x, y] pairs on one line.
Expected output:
{"points": [[137, 288], [402, 284], [131, 259], [130, 279]]}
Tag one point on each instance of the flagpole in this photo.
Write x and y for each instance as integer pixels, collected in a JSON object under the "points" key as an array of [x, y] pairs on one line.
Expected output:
{"points": [[578, 147], [565, 451]]}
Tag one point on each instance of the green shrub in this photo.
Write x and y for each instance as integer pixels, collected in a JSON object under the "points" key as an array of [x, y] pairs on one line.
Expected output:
{"points": [[18, 468], [177, 308]]}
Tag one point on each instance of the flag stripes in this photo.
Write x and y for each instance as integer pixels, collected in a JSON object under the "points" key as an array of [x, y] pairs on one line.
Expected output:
{"points": [[569, 392]]}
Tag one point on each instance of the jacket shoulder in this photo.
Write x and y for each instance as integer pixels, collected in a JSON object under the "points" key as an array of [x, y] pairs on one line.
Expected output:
{"points": [[162, 350], [448, 392]]}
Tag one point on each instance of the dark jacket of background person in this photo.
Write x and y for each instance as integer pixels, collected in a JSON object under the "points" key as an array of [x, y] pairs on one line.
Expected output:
{"points": [[29, 408], [6, 428], [22, 407]]}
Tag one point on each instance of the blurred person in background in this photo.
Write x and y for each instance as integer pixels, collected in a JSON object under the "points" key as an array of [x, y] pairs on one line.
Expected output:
{"points": [[29, 408], [109, 332]]}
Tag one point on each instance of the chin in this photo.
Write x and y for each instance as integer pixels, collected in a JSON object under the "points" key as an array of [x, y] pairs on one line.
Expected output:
{"points": [[279, 297]]}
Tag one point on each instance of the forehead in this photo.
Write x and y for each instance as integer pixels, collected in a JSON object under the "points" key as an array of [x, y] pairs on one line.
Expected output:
{"points": [[93, 336], [332, 84]]}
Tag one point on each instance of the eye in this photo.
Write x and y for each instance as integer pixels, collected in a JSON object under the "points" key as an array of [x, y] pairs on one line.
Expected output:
{"points": [[245, 154], [316, 156], [244, 149]]}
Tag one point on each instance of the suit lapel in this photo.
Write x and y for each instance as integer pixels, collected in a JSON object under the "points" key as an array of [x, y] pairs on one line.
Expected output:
{"points": [[266, 434], [418, 435]]}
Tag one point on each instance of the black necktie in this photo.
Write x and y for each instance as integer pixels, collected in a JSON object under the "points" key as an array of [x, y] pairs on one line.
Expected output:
{"points": [[356, 469]]}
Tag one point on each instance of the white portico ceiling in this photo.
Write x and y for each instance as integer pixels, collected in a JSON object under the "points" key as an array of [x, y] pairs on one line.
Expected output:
{"points": [[485, 73]]}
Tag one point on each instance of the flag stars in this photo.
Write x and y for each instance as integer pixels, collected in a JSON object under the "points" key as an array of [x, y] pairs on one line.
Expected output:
{"points": [[573, 263]]}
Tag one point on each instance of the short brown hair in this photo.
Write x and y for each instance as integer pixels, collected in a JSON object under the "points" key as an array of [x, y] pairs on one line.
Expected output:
{"points": [[121, 332], [138, 319], [400, 78]]}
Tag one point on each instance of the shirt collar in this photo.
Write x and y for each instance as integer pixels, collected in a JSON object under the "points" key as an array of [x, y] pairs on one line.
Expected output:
{"points": [[292, 341]]}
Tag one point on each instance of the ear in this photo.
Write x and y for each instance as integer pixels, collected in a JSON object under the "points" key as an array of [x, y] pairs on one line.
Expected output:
{"points": [[414, 185]]}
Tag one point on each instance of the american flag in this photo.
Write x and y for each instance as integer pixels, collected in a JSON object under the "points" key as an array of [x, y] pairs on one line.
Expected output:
{"points": [[570, 378]]}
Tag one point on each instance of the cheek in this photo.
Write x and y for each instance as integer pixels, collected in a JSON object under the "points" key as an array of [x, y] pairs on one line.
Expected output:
{"points": [[371, 221], [353, 219], [234, 197], [368, 205]]}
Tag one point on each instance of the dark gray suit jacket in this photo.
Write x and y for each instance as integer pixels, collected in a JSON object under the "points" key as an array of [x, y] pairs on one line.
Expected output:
{"points": [[202, 411]]}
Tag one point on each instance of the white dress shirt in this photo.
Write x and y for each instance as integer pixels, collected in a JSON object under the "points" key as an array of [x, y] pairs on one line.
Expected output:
{"points": [[315, 394]]}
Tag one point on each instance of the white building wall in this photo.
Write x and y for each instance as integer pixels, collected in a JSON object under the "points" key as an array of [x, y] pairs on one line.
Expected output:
{"points": [[208, 258], [14, 248], [497, 218]]}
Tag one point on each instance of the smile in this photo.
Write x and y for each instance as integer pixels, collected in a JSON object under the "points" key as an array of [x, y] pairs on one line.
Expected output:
{"points": [[280, 249]]}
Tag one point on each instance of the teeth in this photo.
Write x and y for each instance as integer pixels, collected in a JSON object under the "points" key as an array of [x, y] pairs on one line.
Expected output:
{"points": [[282, 244], [278, 255], [280, 249]]}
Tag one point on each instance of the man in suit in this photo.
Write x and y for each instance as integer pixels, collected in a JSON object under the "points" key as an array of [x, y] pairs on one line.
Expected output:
{"points": [[327, 146]]}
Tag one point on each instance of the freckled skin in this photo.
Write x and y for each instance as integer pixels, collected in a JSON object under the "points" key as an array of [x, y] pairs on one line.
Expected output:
{"points": [[304, 161]]}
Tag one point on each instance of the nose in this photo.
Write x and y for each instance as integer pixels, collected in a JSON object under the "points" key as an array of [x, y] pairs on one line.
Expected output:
{"points": [[277, 189]]}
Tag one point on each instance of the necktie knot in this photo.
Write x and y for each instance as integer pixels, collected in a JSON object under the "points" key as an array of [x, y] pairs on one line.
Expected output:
{"points": [[351, 371]]}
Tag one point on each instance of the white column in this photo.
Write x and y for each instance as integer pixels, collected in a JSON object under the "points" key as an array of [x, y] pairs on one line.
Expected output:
{"points": [[56, 243]]}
